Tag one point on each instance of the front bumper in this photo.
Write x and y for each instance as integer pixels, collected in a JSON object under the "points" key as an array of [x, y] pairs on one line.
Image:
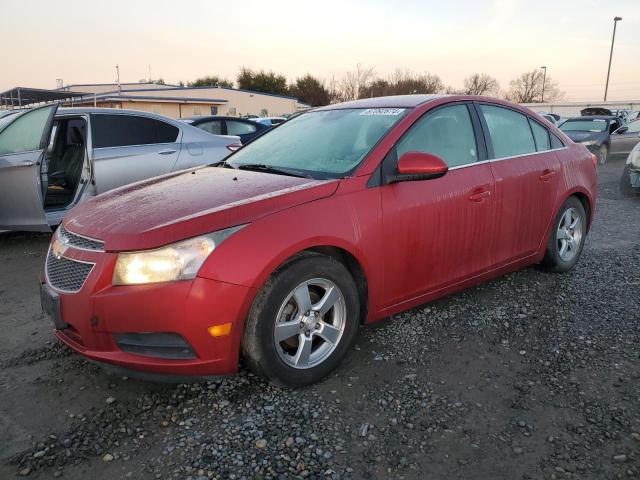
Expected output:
{"points": [[99, 312]]}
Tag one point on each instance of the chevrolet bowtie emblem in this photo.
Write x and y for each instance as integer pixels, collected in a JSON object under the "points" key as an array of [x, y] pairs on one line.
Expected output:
{"points": [[58, 249]]}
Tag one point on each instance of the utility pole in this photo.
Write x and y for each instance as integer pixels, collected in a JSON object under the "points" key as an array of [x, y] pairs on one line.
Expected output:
{"points": [[613, 39], [544, 81]]}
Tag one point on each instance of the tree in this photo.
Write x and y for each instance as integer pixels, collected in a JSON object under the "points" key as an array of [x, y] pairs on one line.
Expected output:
{"points": [[527, 88], [480, 84], [350, 85], [402, 82], [310, 90], [211, 81], [262, 81]]}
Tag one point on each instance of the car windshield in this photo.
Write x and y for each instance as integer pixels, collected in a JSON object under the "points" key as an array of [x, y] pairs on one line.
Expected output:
{"points": [[320, 144], [593, 125]]}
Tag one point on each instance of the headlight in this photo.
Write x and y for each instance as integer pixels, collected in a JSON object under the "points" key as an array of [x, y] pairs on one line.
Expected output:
{"points": [[179, 261], [588, 143]]}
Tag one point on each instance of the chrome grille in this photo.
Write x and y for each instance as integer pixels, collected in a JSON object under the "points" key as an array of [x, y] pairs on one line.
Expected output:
{"points": [[65, 274], [78, 241]]}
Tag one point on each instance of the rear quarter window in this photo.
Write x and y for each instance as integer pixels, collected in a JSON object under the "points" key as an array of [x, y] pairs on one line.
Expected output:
{"points": [[126, 130]]}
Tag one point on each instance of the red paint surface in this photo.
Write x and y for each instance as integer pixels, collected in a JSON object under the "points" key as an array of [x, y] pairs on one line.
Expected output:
{"points": [[415, 241]]}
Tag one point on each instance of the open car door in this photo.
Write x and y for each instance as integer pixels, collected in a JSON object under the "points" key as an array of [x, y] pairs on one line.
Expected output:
{"points": [[23, 146]]}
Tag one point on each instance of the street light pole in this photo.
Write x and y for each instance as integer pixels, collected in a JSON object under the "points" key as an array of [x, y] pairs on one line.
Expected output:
{"points": [[544, 81], [613, 39]]}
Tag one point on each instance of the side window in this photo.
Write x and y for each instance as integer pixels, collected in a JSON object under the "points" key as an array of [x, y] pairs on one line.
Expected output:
{"points": [[509, 130], [214, 127], [239, 128], [541, 136], [25, 133], [165, 132], [446, 132], [556, 142], [125, 130], [633, 127]]}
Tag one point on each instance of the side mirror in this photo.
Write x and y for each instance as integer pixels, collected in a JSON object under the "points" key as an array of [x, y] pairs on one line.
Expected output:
{"points": [[419, 166]]}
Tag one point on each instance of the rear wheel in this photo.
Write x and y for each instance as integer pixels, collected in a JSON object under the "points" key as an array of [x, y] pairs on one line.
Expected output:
{"points": [[303, 322], [567, 238], [603, 153]]}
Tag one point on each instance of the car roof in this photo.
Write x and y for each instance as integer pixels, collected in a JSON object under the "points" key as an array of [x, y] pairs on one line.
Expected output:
{"points": [[394, 101], [195, 118]]}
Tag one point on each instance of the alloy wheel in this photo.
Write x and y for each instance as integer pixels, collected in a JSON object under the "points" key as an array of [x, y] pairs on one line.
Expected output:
{"points": [[569, 234], [310, 323]]}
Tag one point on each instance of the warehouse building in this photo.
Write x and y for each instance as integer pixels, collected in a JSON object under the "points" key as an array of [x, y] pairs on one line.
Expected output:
{"points": [[178, 102]]}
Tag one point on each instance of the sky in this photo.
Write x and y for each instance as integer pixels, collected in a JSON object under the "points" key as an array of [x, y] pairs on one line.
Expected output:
{"points": [[82, 41]]}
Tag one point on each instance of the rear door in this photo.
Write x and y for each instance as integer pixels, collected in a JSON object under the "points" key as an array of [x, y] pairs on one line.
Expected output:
{"points": [[526, 172], [23, 143], [439, 232], [624, 139], [127, 148]]}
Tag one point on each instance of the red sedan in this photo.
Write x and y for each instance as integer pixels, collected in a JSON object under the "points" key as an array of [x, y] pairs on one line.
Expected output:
{"points": [[344, 215]]}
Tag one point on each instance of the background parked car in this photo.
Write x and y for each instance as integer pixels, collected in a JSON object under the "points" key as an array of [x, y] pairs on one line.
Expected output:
{"points": [[624, 139], [630, 179], [51, 160], [270, 121], [594, 132], [247, 130], [553, 118]]}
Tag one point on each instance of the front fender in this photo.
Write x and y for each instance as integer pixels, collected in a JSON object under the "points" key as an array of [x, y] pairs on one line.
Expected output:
{"points": [[349, 220]]}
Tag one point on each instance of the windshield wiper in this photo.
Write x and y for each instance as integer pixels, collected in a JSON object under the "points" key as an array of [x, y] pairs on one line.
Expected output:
{"points": [[261, 167]]}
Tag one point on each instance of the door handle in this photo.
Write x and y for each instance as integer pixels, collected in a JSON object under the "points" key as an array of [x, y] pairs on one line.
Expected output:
{"points": [[167, 151], [26, 163], [479, 195], [547, 175]]}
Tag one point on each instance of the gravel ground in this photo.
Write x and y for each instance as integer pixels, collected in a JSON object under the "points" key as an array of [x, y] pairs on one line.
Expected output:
{"points": [[532, 376]]}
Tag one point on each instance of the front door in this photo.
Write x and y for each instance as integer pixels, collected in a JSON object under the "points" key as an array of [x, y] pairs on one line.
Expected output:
{"points": [[438, 232], [624, 139], [23, 144], [526, 172]]}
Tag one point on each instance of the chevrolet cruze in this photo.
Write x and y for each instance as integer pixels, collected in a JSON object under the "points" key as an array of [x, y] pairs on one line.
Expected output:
{"points": [[344, 215]]}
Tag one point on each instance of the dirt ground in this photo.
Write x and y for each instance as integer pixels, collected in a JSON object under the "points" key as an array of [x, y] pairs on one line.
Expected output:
{"points": [[531, 376]]}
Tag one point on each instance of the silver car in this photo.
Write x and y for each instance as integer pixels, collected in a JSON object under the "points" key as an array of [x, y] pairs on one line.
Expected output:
{"points": [[51, 160]]}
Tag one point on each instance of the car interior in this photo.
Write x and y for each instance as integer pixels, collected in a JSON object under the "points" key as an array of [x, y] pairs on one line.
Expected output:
{"points": [[65, 158]]}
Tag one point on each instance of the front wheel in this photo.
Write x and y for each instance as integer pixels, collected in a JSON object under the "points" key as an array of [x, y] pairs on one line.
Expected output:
{"points": [[567, 237], [302, 322]]}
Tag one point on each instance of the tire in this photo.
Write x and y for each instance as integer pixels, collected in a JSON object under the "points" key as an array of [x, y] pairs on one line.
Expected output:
{"points": [[298, 352], [567, 238], [603, 153], [625, 184]]}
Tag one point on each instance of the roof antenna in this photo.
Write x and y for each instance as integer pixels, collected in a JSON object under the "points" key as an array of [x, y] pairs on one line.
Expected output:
{"points": [[118, 77]]}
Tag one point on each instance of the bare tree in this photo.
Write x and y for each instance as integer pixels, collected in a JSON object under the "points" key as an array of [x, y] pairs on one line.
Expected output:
{"points": [[354, 81], [480, 84], [527, 88]]}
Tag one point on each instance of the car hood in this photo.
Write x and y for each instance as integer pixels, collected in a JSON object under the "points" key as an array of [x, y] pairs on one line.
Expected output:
{"points": [[583, 136], [185, 204]]}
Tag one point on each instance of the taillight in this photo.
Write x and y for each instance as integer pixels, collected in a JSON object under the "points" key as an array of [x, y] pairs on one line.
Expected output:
{"points": [[594, 160], [234, 146]]}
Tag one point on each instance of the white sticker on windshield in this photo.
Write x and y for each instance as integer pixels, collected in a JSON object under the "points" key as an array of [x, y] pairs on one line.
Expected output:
{"points": [[383, 111]]}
